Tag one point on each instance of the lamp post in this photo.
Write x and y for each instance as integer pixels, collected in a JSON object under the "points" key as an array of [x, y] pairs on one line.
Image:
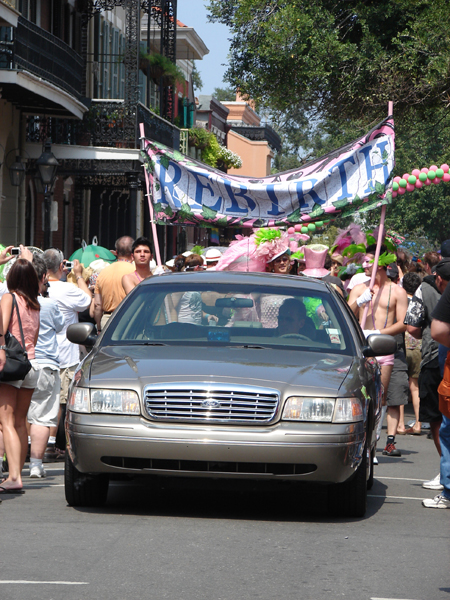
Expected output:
{"points": [[47, 166], [17, 172]]}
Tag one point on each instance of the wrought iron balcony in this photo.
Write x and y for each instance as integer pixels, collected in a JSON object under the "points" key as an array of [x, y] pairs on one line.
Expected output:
{"points": [[108, 123], [259, 134], [33, 49]]}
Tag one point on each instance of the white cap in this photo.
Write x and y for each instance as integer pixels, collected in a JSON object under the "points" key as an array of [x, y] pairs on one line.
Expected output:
{"points": [[170, 263], [357, 279], [212, 255]]}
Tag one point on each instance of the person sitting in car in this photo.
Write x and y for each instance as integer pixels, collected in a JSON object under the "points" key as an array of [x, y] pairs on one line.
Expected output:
{"points": [[292, 319]]}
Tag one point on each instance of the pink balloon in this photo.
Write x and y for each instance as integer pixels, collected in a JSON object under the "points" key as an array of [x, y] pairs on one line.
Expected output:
{"points": [[433, 168], [445, 167], [405, 176], [446, 177], [424, 170], [298, 227], [397, 179], [428, 182], [291, 230], [436, 180], [418, 184], [394, 194], [416, 173], [401, 191], [410, 187]]}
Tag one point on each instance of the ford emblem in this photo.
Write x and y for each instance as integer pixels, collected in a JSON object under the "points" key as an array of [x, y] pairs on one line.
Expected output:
{"points": [[210, 403]]}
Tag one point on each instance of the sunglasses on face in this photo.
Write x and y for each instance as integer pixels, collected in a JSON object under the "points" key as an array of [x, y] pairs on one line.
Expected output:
{"points": [[282, 259]]}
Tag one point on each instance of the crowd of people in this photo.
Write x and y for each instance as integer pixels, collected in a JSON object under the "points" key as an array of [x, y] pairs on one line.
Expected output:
{"points": [[406, 298]]}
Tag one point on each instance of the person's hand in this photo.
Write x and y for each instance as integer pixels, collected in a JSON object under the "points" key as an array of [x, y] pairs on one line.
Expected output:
{"points": [[365, 297], [321, 313], [213, 318], [368, 332], [77, 268], [3, 258], [25, 253]]}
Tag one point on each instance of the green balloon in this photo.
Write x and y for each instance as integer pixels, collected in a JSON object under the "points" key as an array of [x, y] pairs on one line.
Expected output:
{"points": [[319, 223], [431, 174], [395, 186], [304, 230], [403, 183], [440, 173], [423, 177], [311, 227], [412, 179]]}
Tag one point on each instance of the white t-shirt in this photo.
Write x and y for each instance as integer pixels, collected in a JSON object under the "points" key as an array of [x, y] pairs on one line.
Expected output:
{"points": [[3, 288], [71, 301]]}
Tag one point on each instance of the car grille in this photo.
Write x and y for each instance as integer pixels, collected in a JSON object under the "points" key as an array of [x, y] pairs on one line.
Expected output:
{"points": [[217, 404]]}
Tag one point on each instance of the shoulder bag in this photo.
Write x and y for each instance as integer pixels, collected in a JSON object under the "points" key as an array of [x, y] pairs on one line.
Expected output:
{"points": [[17, 364]]}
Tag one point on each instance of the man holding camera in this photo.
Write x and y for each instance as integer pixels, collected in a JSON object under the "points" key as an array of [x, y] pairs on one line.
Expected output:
{"points": [[72, 299]]}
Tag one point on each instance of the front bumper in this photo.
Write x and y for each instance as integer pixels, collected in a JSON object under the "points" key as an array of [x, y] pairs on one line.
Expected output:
{"points": [[316, 452]]}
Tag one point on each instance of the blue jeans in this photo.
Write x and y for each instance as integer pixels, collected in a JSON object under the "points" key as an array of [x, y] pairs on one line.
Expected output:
{"points": [[444, 436]]}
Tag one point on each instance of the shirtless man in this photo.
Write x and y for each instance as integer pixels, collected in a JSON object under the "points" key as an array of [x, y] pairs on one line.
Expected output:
{"points": [[142, 255], [387, 309]]}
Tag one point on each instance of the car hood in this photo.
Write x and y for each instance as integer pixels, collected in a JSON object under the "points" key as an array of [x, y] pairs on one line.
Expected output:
{"points": [[136, 366]]}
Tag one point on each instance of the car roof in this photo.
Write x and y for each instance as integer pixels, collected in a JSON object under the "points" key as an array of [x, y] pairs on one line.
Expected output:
{"points": [[240, 278]]}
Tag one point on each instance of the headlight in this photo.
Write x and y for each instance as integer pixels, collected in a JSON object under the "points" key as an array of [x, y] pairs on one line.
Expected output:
{"points": [[342, 410], [348, 410], [308, 409], [79, 400], [123, 402]]}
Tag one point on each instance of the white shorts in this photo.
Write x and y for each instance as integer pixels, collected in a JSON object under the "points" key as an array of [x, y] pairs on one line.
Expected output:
{"points": [[44, 406], [30, 380]]}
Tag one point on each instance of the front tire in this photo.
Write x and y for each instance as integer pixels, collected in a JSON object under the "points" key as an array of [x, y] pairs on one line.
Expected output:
{"points": [[349, 499], [84, 489]]}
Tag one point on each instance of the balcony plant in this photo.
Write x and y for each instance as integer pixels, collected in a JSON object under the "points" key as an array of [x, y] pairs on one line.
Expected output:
{"points": [[199, 137], [160, 66]]}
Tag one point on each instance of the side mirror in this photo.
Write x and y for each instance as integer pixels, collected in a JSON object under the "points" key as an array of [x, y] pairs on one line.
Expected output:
{"points": [[82, 333], [380, 344]]}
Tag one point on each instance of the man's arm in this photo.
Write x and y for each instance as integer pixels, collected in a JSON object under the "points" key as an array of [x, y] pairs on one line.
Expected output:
{"points": [[128, 282], [416, 332], [440, 332], [98, 310], [359, 296]]}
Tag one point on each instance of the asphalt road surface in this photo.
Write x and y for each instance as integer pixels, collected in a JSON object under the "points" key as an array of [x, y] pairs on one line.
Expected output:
{"points": [[184, 541]]}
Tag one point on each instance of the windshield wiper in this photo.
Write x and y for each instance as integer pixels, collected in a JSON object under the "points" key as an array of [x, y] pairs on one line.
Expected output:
{"points": [[149, 344], [251, 346]]}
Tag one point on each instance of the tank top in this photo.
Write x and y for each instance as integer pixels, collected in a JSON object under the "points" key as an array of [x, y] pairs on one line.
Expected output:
{"points": [[30, 325]]}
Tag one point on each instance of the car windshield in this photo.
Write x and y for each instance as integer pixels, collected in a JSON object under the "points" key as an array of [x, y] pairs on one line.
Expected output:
{"points": [[240, 315]]}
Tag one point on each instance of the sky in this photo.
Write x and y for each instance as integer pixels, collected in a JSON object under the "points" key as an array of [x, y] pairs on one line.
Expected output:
{"points": [[215, 36]]}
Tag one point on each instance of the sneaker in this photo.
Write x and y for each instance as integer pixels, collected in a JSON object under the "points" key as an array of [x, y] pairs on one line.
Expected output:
{"points": [[391, 450], [439, 501], [433, 484], [37, 472], [50, 453]]}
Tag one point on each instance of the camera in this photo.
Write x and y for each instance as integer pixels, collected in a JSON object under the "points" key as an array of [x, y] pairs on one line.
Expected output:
{"points": [[68, 264], [15, 251]]}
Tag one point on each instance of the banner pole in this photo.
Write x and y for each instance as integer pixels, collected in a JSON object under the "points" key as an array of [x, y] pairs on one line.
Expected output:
{"points": [[379, 240], [150, 206]]}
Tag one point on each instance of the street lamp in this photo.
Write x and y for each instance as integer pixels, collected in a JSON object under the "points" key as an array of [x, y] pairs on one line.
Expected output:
{"points": [[47, 166], [17, 172]]}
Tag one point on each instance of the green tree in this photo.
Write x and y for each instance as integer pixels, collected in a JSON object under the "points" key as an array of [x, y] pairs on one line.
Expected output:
{"points": [[349, 57], [224, 94], [196, 78]]}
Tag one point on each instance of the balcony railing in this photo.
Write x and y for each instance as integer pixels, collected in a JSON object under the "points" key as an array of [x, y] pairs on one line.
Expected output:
{"points": [[259, 134], [108, 123], [35, 50]]}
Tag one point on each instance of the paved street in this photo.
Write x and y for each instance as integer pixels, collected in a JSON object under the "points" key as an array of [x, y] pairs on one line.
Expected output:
{"points": [[186, 542]]}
